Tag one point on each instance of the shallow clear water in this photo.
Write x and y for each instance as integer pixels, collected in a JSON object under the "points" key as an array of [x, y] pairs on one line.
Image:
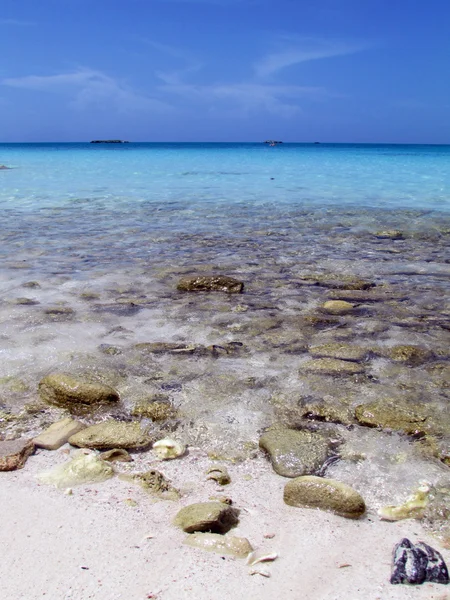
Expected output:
{"points": [[105, 233]]}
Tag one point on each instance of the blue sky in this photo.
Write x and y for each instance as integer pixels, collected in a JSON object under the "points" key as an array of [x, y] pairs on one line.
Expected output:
{"points": [[225, 70]]}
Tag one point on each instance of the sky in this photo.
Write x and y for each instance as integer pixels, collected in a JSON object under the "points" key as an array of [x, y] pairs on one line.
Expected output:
{"points": [[362, 71]]}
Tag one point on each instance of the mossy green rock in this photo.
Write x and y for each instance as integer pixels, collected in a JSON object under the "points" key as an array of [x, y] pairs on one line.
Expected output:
{"points": [[392, 414], [331, 366], [214, 283], [409, 354], [111, 434], [215, 517], [340, 351], [73, 392], [326, 494], [294, 453]]}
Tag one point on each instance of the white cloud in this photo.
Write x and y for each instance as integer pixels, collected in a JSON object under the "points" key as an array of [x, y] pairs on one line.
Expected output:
{"points": [[89, 88], [298, 51], [246, 97]]}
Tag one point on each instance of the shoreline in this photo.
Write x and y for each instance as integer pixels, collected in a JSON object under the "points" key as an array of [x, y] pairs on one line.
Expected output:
{"points": [[94, 544]]}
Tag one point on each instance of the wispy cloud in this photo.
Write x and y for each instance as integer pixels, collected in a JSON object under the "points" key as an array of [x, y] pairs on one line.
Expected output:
{"points": [[89, 88], [16, 22], [245, 98], [293, 52]]}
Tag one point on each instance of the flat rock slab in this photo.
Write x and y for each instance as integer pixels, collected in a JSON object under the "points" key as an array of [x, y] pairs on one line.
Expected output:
{"points": [[326, 494], [340, 351], [58, 434], [366, 296], [331, 366], [70, 392], [215, 517], [111, 434], [334, 281], [214, 283], [214, 542], [14, 453], [393, 414], [294, 453]]}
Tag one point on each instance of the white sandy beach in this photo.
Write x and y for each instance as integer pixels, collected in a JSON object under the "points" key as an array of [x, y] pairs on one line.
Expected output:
{"points": [[97, 544]]}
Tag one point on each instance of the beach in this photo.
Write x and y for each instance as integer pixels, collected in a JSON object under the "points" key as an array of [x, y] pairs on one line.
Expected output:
{"points": [[339, 329]]}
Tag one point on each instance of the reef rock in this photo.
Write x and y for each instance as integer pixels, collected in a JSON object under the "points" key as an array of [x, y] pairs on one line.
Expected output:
{"points": [[294, 453], [337, 307], [339, 351], [409, 354], [14, 453], [83, 468], [326, 494], [214, 283], [111, 434], [214, 517], [73, 392], [153, 482], [331, 366], [392, 414], [417, 563], [213, 542], [58, 434]]}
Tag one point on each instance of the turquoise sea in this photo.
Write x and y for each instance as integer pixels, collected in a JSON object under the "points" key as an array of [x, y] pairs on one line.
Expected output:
{"points": [[94, 239]]}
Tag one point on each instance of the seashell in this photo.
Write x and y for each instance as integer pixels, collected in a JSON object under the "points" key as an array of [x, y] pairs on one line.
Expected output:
{"points": [[167, 449], [412, 508], [262, 572], [258, 556], [219, 474]]}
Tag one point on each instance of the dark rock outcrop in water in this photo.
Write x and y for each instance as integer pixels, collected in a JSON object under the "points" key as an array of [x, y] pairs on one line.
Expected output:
{"points": [[417, 563], [214, 283], [109, 142]]}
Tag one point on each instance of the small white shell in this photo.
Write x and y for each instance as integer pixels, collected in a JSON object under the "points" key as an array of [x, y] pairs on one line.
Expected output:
{"points": [[258, 556], [167, 449], [262, 572]]}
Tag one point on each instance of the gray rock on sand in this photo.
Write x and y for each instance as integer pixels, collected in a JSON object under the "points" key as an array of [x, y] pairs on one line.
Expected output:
{"points": [[111, 434], [294, 453], [69, 391], [14, 453], [214, 283], [326, 494], [214, 517], [213, 542], [57, 434]]}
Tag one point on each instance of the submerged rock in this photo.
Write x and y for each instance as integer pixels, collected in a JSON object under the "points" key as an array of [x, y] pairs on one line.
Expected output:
{"points": [[337, 307], [326, 494], [219, 474], [331, 366], [214, 517], [340, 351], [330, 413], [154, 410], [82, 468], [390, 234], [408, 354], [222, 544], [294, 453], [111, 434], [14, 453], [415, 564], [335, 281], [214, 283], [392, 414], [73, 392], [58, 434]]}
